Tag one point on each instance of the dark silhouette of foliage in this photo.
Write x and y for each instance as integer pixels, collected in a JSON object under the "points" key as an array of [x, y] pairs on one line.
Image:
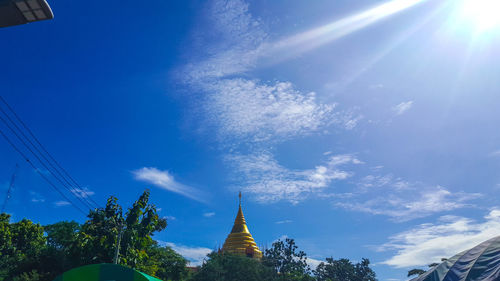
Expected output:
{"points": [[30, 252], [418, 271], [227, 267], [287, 261], [415, 271], [344, 270]]}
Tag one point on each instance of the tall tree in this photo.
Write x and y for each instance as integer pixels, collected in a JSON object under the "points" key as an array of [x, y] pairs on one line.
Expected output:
{"points": [[29, 251], [344, 270], [287, 261], [227, 267], [168, 264], [21, 245], [99, 236]]}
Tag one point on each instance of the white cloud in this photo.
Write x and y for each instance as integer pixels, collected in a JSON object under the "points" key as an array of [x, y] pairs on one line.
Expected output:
{"points": [[239, 36], [407, 205], [495, 153], [375, 181], [61, 203], [284, 221], [376, 168], [269, 181], [195, 255], [429, 243], [402, 107], [170, 218], [249, 109], [165, 180], [256, 111], [388, 180], [376, 86], [209, 214], [36, 197], [82, 192], [313, 263]]}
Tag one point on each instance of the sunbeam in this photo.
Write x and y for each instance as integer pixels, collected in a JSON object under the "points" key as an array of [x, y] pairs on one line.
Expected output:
{"points": [[394, 43], [316, 37]]}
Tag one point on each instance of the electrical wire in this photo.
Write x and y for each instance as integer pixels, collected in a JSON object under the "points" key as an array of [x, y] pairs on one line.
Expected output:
{"points": [[40, 173], [75, 190], [44, 165], [44, 150]]}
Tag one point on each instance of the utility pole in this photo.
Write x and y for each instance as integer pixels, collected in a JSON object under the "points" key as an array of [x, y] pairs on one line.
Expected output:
{"points": [[11, 185], [117, 248]]}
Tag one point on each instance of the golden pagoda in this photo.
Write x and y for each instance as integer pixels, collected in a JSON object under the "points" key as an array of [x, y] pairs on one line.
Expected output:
{"points": [[240, 241]]}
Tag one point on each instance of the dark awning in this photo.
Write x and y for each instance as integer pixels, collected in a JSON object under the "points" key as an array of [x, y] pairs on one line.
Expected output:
{"points": [[15, 12]]}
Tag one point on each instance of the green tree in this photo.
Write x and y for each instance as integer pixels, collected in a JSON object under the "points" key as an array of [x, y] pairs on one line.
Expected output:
{"points": [[60, 254], [98, 239], [227, 267], [416, 271], [344, 270], [30, 252], [287, 261], [167, 264], [21, 245]]}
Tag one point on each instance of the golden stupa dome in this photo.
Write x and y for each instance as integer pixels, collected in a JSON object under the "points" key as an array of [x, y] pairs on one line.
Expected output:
{"points": [[240, 241]]}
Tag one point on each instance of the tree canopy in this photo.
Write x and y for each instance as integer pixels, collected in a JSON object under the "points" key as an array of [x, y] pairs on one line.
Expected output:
{"points": [[33, 252], [282, 262]]}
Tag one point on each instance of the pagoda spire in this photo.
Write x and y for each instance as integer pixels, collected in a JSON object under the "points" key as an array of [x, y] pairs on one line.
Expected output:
{"points": [[240, 241]]}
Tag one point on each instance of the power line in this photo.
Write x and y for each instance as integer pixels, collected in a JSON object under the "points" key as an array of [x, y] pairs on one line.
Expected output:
{"points": [[40, 153], [38, 171], [44, 165], [44, 150]]}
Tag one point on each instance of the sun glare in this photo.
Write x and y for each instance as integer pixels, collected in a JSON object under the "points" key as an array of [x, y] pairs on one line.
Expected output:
{"points": [[482, 15]]}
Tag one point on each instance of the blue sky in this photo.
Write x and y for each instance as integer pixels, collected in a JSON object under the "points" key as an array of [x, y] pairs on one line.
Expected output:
{"points": [[365, 129]]}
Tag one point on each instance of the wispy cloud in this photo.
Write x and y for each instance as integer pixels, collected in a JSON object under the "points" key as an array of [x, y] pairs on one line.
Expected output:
{"points": [[269, 181], [61, 203], [429, 243], [256, 111], [495, 153], [209, 214], [170, 218], [408, 205], [246, 109], [36, 197], [195, 255], [376, 86], [402, 107], [83, 192], [251, 113], [239, 37], [284, 221], [372, 181], [164, 180]]}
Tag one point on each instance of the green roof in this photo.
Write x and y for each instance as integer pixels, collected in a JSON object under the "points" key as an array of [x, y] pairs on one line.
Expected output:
{"points": [[104, 272]]}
